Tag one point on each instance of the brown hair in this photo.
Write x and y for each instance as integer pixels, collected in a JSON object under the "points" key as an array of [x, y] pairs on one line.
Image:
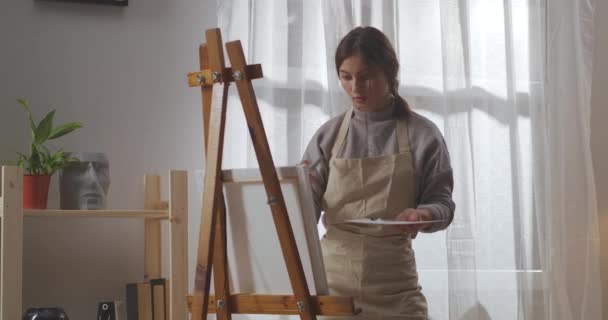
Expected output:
{"points": [[376, 50]]}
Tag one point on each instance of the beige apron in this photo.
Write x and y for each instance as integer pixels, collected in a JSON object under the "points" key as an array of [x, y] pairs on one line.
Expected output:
{"points": [[373, 264]]}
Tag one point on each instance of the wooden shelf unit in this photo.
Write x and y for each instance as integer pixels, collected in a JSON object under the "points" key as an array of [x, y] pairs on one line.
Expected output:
{"points": [[174, 212]]}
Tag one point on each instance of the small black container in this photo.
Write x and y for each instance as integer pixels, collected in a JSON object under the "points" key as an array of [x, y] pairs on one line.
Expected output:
{"points": [[45, 314]]}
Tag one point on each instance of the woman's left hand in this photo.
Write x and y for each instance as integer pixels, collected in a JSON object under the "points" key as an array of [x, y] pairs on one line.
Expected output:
{"points": [[412, 214]]}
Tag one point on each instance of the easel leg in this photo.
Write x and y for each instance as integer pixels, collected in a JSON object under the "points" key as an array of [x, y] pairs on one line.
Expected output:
{"points": [[271, 181], [213, 185], [220, 268], [220, 257]]}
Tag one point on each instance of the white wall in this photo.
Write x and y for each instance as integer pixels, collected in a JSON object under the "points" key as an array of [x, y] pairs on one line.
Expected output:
{"points": [[122, 73], [599, 135]]}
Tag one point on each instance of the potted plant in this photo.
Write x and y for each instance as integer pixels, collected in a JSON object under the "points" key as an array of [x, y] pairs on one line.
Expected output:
{"points": [[40, 164]]}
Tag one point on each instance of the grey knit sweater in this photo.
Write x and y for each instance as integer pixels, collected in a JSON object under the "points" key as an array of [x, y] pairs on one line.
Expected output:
{"points": [[373, 134]]}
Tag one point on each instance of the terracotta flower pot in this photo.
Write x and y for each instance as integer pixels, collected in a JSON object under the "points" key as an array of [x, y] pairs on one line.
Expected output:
{"points": [[35, 191]]}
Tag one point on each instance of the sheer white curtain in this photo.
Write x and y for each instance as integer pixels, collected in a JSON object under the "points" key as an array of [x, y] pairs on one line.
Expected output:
{"points": [[507, 82]]}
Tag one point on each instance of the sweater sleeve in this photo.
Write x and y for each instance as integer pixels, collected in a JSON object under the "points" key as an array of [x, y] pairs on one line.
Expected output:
{"points": [[437, 198], [318, 153], [434, 173]]}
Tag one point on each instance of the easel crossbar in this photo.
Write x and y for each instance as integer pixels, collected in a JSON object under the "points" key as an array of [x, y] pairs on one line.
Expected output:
{"points": [[205, 78], [283, 304]]}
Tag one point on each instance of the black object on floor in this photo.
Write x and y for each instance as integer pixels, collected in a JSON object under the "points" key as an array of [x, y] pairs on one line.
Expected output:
{"points": [[45, 314]]}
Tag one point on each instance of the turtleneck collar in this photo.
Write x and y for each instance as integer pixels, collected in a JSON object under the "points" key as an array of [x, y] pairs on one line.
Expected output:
{"points": [[387, 113]]}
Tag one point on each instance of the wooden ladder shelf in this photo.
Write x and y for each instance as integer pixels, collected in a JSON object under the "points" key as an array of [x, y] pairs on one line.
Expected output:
{"points": [[174, 212]]}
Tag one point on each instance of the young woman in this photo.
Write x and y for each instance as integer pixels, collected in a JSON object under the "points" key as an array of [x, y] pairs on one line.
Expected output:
{"points": [[379, 160]]}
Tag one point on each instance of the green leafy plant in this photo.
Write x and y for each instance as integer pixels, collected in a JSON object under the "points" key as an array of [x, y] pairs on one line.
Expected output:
{"points": [[40, 160]]}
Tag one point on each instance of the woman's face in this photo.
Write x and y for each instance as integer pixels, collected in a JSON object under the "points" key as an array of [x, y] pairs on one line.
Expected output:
{"points": [[366, 85]]}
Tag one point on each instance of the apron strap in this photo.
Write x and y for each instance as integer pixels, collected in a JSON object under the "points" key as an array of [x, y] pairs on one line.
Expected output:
{"points": [[341, 133], [402, 135]]}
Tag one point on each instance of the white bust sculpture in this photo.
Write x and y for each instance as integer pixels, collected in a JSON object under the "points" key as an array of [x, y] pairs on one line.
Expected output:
{"points": [[84, 185]]}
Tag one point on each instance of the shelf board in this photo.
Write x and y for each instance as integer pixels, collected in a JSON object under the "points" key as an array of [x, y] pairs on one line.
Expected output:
{"points": [[157, 214]]}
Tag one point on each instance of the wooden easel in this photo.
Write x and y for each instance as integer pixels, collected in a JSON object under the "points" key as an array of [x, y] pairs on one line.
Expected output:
{"points": [[214, 78]]}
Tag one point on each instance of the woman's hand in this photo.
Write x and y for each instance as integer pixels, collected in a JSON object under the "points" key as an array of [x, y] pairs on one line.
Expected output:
{"points": [[412, 214]]}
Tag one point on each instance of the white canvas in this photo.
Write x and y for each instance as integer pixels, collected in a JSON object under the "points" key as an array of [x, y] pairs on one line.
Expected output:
{"points": [[254, 254]]}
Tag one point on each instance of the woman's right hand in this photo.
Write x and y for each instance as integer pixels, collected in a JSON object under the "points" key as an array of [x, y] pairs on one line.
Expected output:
{"points": [[413, 215]]}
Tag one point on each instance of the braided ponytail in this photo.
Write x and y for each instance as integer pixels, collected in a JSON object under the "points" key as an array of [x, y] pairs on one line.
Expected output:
{"points": [[402, 105]]}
